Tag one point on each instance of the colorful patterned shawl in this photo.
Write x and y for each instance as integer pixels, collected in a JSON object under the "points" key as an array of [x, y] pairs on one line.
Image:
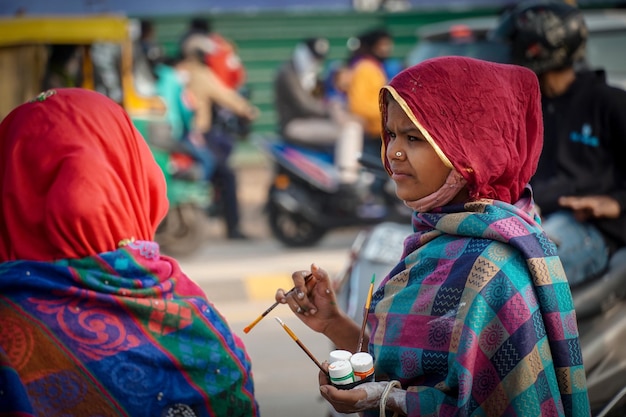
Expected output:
{"points": [[124, 333], [478, 319]]}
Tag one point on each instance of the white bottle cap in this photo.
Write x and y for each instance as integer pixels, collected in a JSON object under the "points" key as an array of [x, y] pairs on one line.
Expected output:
{"points": [[363, 365], [340, 373], [339, 355]]}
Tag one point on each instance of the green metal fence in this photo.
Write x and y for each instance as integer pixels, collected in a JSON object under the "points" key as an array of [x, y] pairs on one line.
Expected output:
{"points": [[265, 40]]}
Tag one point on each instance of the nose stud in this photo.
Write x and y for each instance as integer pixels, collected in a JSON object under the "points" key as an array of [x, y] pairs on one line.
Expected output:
{"points": [[398, 154]]}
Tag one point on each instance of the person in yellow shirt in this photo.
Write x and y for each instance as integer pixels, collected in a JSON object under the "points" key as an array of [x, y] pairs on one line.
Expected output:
{"points": [[368, 77]]}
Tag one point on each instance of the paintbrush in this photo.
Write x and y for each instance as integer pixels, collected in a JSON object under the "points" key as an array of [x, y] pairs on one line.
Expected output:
{"points": [[304, 348], [272, 307], [366, 310]]}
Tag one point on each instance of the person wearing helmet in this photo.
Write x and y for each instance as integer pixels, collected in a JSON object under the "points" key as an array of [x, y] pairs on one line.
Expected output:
{"points": [[304, 117], [221, 55], [208, 91], [580, 185], [207, 86]]}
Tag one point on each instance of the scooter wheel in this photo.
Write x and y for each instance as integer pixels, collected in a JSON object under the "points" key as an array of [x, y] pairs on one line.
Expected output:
{"points": [[292, 229], [181, 232]]}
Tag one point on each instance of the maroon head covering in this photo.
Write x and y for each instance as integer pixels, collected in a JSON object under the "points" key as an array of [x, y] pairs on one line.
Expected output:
{"points": [[483, 119]]}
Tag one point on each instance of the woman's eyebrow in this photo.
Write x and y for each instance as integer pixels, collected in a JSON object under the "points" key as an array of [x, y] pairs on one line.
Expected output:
{"points": [[406, 129], [412, 129]]}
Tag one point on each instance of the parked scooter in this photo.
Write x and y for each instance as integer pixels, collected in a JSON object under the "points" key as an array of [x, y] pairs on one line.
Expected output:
{"points": [[306, 198], [600, 309]]}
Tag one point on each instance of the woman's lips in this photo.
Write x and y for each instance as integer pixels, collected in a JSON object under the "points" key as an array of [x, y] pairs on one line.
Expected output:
{"points": [[399, 175]]}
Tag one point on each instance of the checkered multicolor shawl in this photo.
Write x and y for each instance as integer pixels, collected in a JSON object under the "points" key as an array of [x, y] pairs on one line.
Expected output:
{"points": [[478, 319], [123, 333]]}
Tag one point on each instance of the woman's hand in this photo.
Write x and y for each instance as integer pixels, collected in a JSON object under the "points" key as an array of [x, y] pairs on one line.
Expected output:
{"points": [[366, 396], [593, 206], [343, 401], [312, 300]]}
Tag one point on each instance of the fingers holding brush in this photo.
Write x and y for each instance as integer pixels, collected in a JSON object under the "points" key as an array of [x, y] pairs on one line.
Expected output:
{"points": [[298, 297], [311, 299], [298, 292]]}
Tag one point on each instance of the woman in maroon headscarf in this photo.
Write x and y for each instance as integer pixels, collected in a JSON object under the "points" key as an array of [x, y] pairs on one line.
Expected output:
{"points": [[477, 317], [93, 320]]}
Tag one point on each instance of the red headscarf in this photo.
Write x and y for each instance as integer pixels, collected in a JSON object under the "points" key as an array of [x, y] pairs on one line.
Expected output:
{"points": [[76, 178], [483, 119]]}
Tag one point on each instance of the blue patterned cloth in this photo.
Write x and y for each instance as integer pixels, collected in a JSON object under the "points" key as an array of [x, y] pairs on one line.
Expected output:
{"points": [[123, 333]]}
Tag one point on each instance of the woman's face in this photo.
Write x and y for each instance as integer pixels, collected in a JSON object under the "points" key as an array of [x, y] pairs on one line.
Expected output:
{"points": [[383, 48], [343, 78], [418, 171]]}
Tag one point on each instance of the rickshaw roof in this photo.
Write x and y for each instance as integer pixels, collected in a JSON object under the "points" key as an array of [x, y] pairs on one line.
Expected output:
{"points": [[24, 30]]}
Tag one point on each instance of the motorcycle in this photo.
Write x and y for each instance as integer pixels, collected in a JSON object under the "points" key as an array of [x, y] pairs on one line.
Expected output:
{"points": [[181, 232], [306, 199], [600, 310]]}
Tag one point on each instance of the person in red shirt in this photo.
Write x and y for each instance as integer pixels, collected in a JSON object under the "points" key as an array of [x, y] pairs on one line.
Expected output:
{"points": [[222, 55], [201, 46]]}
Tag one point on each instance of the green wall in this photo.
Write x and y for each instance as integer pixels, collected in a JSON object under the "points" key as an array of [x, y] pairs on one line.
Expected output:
{"points": [[265, 40]]}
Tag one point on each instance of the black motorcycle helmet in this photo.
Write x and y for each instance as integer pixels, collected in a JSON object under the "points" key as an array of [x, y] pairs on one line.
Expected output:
{"points": [[544, 35]]}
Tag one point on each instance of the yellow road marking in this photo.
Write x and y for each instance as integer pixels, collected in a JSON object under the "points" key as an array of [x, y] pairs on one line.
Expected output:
{"points": [[263, 287]]}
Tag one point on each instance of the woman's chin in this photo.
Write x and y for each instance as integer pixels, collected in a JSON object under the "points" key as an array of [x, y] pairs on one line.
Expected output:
{"points": [[406, 196], [406, 192]]}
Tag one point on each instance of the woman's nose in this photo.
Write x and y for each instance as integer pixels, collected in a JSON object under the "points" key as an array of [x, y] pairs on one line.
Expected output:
{"points": [[394, 152]]}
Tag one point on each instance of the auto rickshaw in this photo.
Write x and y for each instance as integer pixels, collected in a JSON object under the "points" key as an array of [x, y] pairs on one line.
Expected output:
{"points": [[28, 43], [97, 52]]}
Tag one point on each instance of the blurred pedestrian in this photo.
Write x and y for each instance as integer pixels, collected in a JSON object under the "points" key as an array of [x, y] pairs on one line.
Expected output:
{"points": [[172, 85], [64, 67], [306, 117], [107, 68], [369, 75], [148, 45], [221, 54], [370, 50], [209, 91]]}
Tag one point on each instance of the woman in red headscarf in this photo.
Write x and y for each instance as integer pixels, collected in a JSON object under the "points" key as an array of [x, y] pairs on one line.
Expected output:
{"points": [[94, 320], [477, 317]]}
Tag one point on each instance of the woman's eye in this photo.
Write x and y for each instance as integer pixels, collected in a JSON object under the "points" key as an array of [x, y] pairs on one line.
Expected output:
{"points": [[391, 134], [415, 138]]}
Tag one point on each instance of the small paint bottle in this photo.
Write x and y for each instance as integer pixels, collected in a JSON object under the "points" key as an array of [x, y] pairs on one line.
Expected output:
{"points": [[340, 373], [339, 355], [363, 366]]}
